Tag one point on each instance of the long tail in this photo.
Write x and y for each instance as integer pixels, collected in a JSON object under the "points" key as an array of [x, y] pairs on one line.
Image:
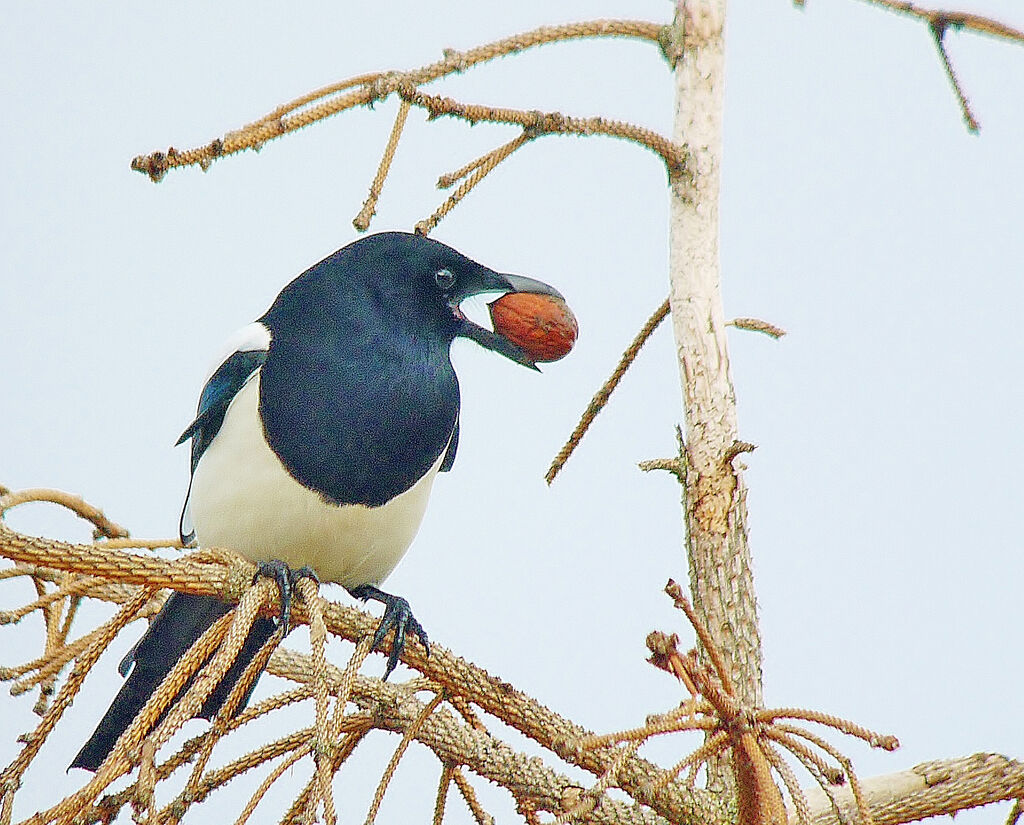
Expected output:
{"points": [[183, 619]]}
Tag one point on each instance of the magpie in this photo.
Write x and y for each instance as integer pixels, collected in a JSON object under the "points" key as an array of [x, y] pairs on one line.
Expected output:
{"points": [[316, 442]]}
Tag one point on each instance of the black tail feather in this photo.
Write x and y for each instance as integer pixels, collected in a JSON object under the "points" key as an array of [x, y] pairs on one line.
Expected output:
{"points": [[183, 619]]}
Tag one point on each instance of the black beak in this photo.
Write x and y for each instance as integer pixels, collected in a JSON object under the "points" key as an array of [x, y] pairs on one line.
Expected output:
{"points": [[492, 340], [521, 284]]}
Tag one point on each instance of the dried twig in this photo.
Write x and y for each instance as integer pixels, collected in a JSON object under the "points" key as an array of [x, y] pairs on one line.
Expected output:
{"points": [[757, 325], [956, 19], [604, 393], [938, 29], [368, 89], [747, 734], [396, 757], [362, 220], [447, 772], [939, 21], [479, 168], [76, 504], [387, 707]]}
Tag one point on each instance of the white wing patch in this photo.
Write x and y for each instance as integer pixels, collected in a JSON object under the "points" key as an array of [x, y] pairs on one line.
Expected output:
{"points": [[251, 337]]}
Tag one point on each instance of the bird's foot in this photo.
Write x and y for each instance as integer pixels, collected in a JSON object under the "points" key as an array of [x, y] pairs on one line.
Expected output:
{"points": [[285, 578], [397, 615]]}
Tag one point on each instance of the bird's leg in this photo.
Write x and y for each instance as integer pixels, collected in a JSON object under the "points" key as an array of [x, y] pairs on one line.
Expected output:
{"points": [[285, 578], [397, 615]]}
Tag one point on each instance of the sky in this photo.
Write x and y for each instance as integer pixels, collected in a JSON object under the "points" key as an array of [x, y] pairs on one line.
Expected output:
{"points": [[857, 213]]}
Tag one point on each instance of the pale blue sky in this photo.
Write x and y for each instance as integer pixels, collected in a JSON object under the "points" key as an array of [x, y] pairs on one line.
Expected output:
{"points": [[857, 213]]}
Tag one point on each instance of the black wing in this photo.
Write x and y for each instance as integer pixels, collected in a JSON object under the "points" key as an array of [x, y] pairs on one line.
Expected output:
{"points": [[218, 393], [453, 445], [183, 619]]}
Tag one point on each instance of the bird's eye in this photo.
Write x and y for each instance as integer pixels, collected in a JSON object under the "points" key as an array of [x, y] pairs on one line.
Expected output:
{"points": [[445, 279]]}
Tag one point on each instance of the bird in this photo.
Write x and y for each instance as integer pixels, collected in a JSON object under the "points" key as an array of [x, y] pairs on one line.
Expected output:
{"points": [[316, 441]]}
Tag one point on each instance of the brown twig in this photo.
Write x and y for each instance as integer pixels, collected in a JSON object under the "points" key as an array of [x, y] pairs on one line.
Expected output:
{"points": [[10, 778], [750, 734], [885, 742], [938, 29], [667, 724], [371, 88], [793, 788], [358, 725], [271, 778], [547, 123], [140, 544], [601, 397], [75, 586], [222, 723], [831, 774], [48, 664], [957, 19], [393, 707], [469, 795], [757, 325], [76, 504], [396, 757], [939, 22], [447, 772], [144, 801], [481, 167], [322, 751], [448, 180], [362, 221], [675, 592]]}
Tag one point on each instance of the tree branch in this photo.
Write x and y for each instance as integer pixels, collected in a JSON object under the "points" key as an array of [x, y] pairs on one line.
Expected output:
{"points": [[714, 496], [937, 788], [230, 581], [367, 89], [957, 19], [939, 22]]}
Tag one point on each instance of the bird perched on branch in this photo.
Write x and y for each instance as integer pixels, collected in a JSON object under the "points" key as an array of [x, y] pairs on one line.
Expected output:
{"points": [[317, 440]]}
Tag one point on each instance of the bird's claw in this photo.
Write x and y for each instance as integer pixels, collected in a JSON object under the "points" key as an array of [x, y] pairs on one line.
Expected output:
{"points": [[397, 615], [285, 578]]}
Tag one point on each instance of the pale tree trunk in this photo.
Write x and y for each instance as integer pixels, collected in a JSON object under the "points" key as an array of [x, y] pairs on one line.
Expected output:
{"points": [[714, 496]]}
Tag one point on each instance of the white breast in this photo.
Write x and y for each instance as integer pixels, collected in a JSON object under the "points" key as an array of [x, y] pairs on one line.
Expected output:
{"points": [[243, 499]]}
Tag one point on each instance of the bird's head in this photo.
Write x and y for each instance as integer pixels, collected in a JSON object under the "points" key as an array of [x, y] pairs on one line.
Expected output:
{"points": [[437, 285]]}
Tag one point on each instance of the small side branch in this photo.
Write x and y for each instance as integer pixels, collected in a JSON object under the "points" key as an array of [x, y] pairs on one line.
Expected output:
{"points": [[757, 325], [547, 123], [362, 220], [939, 22], [105, 528], [477, 171], [957, 19], [929, 789], [938, 29], [602, 395], [367, 89]]}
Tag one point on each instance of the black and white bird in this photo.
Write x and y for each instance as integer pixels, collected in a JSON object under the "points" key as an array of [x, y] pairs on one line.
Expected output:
{"points": [[317, 440]]}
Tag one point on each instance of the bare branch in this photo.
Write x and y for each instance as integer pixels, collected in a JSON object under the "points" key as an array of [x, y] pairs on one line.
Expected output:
{"points": [[756, 325], [957, 19], [362, 220], [604, 393], [939, 21], [480, 167], [938, 30], [76, 504], [929, 789], [367, 89]]}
